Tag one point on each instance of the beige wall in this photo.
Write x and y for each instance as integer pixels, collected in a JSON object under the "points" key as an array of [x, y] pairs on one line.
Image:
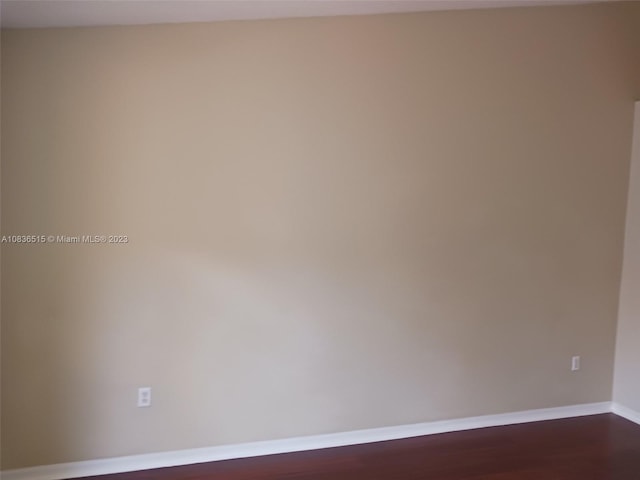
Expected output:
{"points": [[334, 224], [627, 366]]}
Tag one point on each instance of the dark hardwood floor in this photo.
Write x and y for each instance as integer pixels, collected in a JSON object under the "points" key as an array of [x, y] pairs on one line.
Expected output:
{"points": [[598, 447]]}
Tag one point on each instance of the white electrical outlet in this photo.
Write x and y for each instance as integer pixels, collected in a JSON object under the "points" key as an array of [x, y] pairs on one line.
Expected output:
{"points": [[575, 363], [144, 397]]}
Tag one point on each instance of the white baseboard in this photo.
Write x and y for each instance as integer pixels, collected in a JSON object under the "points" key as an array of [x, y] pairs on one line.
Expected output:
{"points": [[626, 412], [315, 442]]}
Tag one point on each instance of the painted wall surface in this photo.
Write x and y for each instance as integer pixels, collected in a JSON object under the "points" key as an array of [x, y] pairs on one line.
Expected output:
{"points": [[332, 224], [627, 367]]}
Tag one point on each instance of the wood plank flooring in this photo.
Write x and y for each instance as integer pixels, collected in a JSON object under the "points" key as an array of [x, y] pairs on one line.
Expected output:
{"points": [[598, 447]]}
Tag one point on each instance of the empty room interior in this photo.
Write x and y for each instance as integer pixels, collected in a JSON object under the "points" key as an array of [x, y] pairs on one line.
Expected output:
{"points": [[320, 240]]}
